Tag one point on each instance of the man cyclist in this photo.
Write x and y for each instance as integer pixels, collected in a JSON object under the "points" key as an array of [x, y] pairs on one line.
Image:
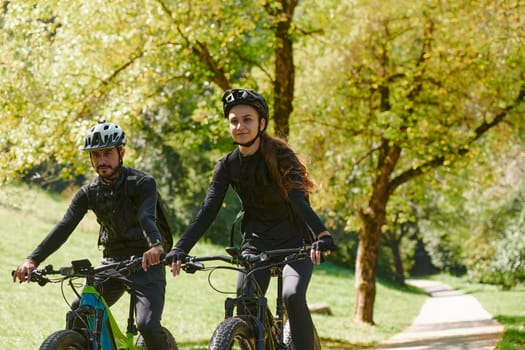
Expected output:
{"points": [[127, 228]]}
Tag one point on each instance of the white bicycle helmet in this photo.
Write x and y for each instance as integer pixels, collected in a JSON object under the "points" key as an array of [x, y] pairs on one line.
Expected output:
{"points": [[104, 135]]}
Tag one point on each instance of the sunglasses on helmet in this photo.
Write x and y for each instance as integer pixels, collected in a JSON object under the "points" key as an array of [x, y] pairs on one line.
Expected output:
{"points": [[238, 95]]}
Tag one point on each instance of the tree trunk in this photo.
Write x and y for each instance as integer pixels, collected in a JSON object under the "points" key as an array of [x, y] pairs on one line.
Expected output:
{"points": [[365, 278], [373, 218], [398, 263], [284, 69]]}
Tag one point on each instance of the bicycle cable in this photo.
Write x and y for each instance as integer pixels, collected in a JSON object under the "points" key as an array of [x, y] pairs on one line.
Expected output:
{"points": [[214, 269]]}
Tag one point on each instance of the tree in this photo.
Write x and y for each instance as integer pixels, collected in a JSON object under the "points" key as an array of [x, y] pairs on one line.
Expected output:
{"points": [[411, 86], [416, 87], [494, 212], [403, 225], [68, 66], [221, 60], [156, 67]]}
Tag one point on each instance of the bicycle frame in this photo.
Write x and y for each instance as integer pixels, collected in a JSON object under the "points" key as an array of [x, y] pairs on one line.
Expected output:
{"points": [[93, 318], [267, 328], [265, 323], [102, 331]]}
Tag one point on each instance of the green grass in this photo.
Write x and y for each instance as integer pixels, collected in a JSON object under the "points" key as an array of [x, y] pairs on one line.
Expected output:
{"points": [[29, 313], [506, 306]]}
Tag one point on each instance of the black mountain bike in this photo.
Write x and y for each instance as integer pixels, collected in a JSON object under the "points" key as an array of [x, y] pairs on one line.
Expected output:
{"points": [[255, 328], [92, 326]]}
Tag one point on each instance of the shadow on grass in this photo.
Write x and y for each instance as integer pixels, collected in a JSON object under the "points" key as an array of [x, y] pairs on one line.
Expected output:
{"points": [[329, 268], [511, 320], [198, 345], [398, 287], [332, 269], [336, 344], [326, 344]]}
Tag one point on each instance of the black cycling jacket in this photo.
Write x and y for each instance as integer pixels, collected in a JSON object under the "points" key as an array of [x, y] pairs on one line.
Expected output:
{"points": [[127, 225], [270, 220]]}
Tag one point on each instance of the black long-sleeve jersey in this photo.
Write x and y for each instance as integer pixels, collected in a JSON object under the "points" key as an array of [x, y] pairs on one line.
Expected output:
{"points": [[271, 220], [127, 225]]}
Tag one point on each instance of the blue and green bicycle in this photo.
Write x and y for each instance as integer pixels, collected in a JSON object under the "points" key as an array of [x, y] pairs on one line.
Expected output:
{"points": [[91, 326]]}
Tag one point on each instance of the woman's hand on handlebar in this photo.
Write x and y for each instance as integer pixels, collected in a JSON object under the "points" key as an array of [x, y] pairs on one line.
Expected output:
{"points": [[323, 246], [175, 258], [23, 272]]}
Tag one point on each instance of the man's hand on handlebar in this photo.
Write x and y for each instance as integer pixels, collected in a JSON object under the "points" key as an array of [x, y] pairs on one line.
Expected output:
{"points": [[323, 246], [152, 256], [175, 258], [23, 272]]}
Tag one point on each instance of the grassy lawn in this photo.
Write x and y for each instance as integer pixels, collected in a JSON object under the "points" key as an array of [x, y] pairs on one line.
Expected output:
{"points": [[193, 309]]}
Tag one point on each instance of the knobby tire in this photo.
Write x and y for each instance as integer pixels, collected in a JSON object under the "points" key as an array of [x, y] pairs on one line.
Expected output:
{"points": [[232, 333], [65, 340]]}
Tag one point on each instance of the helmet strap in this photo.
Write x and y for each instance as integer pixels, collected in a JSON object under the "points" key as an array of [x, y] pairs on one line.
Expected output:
{"points": [[249, 143]]}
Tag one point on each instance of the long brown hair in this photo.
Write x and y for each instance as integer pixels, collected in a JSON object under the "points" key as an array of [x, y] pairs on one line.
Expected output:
{"points": [[285, 166]]}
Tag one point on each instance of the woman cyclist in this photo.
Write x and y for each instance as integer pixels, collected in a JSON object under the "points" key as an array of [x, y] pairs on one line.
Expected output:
{"points": [[273, 186]]}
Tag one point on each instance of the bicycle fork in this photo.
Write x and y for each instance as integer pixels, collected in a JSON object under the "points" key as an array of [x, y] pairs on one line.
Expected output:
{"points": [[256, 320], [265, 325]]}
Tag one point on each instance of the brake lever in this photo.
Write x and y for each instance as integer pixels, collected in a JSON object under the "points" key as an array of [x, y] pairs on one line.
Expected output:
{"points": [[192, 266]]}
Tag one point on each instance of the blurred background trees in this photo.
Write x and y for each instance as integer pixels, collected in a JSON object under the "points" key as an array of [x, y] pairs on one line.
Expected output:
{"points": [[409, 114]]}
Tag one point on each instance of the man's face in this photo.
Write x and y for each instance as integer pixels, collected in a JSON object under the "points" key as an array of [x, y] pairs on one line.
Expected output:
{"points": [[106, 162]]}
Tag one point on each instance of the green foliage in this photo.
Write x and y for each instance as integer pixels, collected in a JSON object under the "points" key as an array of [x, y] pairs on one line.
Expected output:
{"points": [[432, 86], [416, 75], [64, 67], [508, 265], [472, 222], [505, 266], [149, 66]]}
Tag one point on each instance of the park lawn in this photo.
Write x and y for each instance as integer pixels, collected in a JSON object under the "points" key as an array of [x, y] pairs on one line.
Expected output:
{"points": [[193, 309]]}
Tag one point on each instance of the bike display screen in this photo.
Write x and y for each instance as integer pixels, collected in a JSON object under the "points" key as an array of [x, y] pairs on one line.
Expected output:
{"points": [[81, 265]]}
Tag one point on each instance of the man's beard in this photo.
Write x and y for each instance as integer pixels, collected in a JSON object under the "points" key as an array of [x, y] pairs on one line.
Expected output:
{"points": [[113, 175]]}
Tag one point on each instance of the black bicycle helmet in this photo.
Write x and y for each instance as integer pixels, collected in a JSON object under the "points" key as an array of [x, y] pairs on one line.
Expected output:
{"points": [[104, 135], [234, 97]]}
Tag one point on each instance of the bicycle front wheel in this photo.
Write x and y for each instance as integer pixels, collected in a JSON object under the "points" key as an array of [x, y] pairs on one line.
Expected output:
{"points": [[232, 334], [65, 340]]}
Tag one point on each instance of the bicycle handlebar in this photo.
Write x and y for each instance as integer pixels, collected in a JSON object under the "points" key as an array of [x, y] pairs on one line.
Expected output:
{"points": [[83, 268], [194, 263]]}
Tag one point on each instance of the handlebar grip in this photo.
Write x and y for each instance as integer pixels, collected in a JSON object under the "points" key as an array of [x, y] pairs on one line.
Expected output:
{"points": [[36, 276]]}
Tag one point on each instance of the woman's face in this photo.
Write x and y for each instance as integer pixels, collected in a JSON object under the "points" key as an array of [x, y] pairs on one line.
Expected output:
{"points": [[244, 123]]}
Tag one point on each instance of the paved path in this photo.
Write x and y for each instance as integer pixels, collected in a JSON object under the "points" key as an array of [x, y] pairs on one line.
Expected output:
{"points": [[449, 320]]}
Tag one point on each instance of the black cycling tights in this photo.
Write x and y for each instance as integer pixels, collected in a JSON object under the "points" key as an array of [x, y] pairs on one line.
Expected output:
{"points": [[296, 277]]}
